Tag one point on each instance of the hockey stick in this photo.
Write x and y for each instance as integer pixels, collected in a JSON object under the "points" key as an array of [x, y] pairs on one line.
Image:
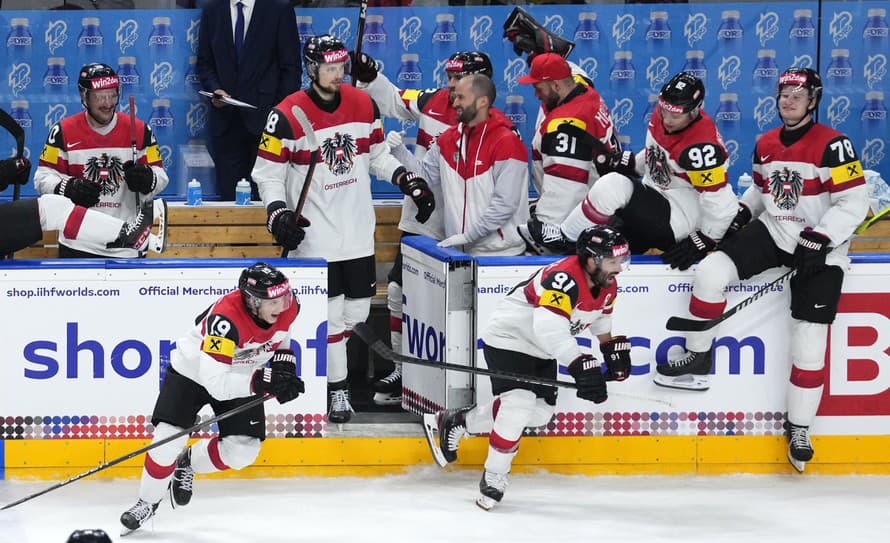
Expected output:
{"points": [[257, 400], [680, 324], [363, 10], [18, 133], [312, 140], [133, 127], [364, 331]]}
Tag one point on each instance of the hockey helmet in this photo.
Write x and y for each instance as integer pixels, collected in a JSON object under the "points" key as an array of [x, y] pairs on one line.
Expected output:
{"points": [[531, 37], [806, 78], [89, 536], [601, 242], [97, 76], [684, 93], [323, 49], [469, 62], [262, 283]]}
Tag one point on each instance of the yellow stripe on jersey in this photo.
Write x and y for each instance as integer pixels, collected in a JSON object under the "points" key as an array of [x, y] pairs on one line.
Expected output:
{"points": [[270, 144], [554, 124], [557, 300], [707, 178], [410, 95], [218, 345], [152, 154], [50, 154], [846, 172]]}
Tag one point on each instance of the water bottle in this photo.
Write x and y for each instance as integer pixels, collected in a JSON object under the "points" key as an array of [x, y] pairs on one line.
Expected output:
{"points": [[622, 76], [160, 41], [304, 26], [743, 183], [19, 40], [515, 111], [192, 81], [766, 72], [875, 35], [587, 36], [873, 116], [803, 34], [409, 75], [658, 35], [651, 104], [128, 76], [193, 195], [55, 79], [444, 39], [730, 35], [162, 124], [729, 116], [839, 76], [90, 43], [695, 64], [22, 115], [374, 40], [242, 193]]}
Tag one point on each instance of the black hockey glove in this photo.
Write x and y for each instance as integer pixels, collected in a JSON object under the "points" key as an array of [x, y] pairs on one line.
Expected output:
{"points": [[283, 224], [140, 177], [686, 252], [809, 256], [589, 378], [280, 378], [742, 217], [14, 171], [616, 353], [415, 186], [80, 191], [364, 68], [623, 162]]}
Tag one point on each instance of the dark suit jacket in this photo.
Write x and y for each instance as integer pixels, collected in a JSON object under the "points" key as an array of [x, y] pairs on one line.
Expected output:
{"points": [[269, 68]]}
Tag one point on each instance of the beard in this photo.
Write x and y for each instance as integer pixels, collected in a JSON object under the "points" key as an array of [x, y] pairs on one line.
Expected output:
{"points": [[467, 114]]}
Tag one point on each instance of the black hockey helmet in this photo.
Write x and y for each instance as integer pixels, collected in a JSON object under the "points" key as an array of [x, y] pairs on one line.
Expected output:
{"points": [[469, 62], [97, 76], [684, 93], [323, 49], [531, 37], [89, 536], [601, 242], [262, 282], [806, 78]]}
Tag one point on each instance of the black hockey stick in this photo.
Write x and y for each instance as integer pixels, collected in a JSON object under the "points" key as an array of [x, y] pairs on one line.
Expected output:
{"points": [[680, 324], [363, 11], [312, 140], [366, 334], [18, 133], [257, 400]]}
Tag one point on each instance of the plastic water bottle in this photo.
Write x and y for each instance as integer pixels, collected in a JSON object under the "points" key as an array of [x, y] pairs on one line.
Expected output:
{"points": [[160, 41], [242, 193], [730, 35], [587, 35], [658, 35], [839, 76], [729, 116], [743, 183], [19, 40], [444, 39], [304, 26], [874, 116], [128, 76], [193, 195], [22, 115], [409, 75], [90, 43], [162, 123], [695, 64], [192, 81], [875, 35], [55, 79], [766, 72], [623, 75], [803, 34], [374, 40], [515, 111]]}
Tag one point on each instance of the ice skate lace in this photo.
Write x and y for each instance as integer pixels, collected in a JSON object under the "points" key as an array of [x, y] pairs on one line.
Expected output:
{"points": [[680, 362], [137, 224], [340, 401], [454, 435], [184, 478], [496, 480], [551, 233], [396, 375], [142, 511], [800, 438]]}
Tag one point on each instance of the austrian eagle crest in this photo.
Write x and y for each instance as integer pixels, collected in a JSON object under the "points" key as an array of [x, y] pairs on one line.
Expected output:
{"points": [[785, 185], [106, 171], [657, 165], [339, 153]]}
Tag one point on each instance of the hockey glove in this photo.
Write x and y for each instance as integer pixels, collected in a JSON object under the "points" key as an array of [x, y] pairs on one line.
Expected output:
{"points": [[280, 378], [589, 378], [80, 191], [809, 256], [616, 353], [623, 162], [139, 177], [14, 171], [283, 224], [742, 217], [364, 68], [416, 187], [686, 252]]}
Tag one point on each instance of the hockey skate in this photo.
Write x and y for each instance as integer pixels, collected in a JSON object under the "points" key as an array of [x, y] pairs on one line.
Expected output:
{"points": [[137, 233], [340, 410], [388, 391], [492, 488], [691, 372], [800, 449], [544, 238], [183, 478], [136, 516], [449, 426]]}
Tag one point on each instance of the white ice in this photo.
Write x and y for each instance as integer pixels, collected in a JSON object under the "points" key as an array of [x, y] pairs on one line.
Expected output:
{"points": [[432, 505]]}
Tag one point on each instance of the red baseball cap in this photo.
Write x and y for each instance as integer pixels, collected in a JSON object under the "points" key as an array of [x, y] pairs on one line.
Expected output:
{"points": [[546, 67]]}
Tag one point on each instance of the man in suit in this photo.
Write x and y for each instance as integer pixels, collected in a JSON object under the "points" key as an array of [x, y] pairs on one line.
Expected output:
{"points": [[249, 50]]}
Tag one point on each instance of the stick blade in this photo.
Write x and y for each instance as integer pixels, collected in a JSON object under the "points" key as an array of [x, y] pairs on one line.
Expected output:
{"points": [[680, 324], [304, 123]]}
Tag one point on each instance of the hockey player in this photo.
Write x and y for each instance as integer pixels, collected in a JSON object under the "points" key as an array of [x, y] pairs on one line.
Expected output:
{"points": [[683, 205], [221, 362], [808, 196], [531, 332], [339, 204], [88, 158], [433, 112]]}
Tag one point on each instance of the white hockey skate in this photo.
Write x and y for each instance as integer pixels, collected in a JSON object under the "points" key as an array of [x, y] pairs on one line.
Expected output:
{"points": [[691, 372], [491, 488], [135, 517]]}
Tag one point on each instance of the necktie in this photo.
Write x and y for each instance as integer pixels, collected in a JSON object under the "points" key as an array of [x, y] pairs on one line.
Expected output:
{"points": [[239, 29]]}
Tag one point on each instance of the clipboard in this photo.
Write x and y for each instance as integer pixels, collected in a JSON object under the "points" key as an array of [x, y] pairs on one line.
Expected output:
{"points": [[227, 100]]}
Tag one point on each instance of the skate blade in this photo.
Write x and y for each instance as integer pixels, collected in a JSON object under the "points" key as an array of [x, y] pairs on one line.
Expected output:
{"points": [[799, 465], [431, 430], [384, 398], [683, 382], [486, 503], [158, 243]]}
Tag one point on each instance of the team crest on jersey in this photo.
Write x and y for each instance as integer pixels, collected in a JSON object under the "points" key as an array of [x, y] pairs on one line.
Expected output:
{"points": [[695, 28], [657, 164], [126, 35], [577, 327], [785, 185], [106, 171], [339, 153], [840, 27], [480, 30]]}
